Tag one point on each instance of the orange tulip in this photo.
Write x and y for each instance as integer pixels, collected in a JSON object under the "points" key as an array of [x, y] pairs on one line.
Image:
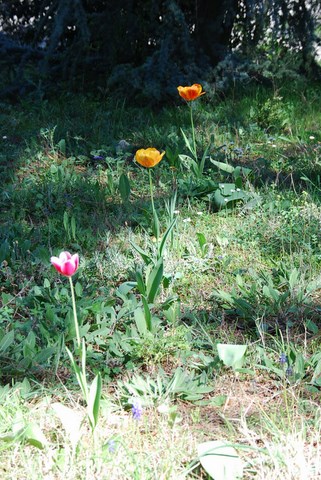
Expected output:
{"points": [[148, 157], [191, 93]]}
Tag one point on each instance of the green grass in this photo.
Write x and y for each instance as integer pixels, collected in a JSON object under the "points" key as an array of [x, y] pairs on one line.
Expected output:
{"points": [[248, 275]]}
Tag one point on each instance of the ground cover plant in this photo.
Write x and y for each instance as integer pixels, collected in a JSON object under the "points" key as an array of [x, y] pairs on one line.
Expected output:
{"points": [[178, 334]]}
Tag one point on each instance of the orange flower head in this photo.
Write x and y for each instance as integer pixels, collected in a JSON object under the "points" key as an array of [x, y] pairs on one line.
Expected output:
{"points": [[148, 157], [191, 93]]}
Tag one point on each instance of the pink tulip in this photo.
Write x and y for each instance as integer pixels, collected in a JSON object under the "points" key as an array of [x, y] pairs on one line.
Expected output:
{"points": [[66, 264]]}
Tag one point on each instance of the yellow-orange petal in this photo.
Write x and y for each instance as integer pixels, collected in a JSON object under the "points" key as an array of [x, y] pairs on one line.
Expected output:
{"points": [[190, 93], [148, 157]]}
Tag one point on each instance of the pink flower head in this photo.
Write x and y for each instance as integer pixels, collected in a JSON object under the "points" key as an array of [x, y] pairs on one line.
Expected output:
{"points": [[66, 264]]}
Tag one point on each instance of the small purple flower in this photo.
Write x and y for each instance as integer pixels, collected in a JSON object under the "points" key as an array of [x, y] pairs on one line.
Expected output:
{"points": [[137, 409], [289, 372], [111, 446], [283, 358], [98, 157]]}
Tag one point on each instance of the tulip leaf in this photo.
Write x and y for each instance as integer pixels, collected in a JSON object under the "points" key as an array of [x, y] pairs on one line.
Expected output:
{"points": [[94, 401], [155, 225], [225, 167], [34, 436], [187, 143], [220, 460], [124, 187], [6, 341], [70, 420], [140, 320], [232, 355], [145, 256], [140, 282], [188, 162], [154, 280], [73, 227], [148, 316], [165, 237]]}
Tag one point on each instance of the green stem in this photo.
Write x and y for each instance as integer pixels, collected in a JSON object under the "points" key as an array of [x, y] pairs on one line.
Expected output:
{"points": [[193, 130], [75, 312], [155, 224], [151, 189]]}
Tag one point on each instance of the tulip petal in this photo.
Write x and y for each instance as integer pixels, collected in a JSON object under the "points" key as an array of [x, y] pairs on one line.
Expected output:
{"points": [[64, 256], [68, 268], [190, 93], [148, 157], [75, 259], [56, 263], [66, 264]]}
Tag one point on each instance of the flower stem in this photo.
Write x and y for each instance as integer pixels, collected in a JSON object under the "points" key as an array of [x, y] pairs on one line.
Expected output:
{"points": [[151, 189], [75, 312], [155, 223], [193, 130]]}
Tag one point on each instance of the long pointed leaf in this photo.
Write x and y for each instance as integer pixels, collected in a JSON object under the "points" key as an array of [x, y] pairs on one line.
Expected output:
{"points": [[147, 259], [148, 316], [94, 400], [154, 280], [187, 143], [165, 237]]}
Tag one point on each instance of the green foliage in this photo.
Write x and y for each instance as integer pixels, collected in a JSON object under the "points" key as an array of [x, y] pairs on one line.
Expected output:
{"points": [[220, 460], [181, 384], [232, 355], [283, 296], [151, 47]]}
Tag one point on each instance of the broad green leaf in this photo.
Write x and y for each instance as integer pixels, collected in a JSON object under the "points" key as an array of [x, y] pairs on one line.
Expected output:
{"points": [[73, 227], [148, 315], [201, 239], [66, 222], [232, 355], [140, 282], [145, 256], [124, 187], [155, 225], [140, 320], [228, 192], [6, 341], [61, 145], [33, 435], [187, 143], [165, 237], [188, 162], [94, 401], [225, 167], [220, 460], [70, 420], [154, 280], [78, 289]]}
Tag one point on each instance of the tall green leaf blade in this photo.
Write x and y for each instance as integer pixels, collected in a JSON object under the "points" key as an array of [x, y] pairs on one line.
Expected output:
{"points": [[220, 460], [145, 256], [6, 341], [94, 400], [124, 187], [165, 237], [154, 280], [148, 315]]}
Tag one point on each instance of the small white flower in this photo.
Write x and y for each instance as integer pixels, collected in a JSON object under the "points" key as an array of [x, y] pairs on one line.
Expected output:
{"points": [[225, 200], [238, 189], [186, 220], [4, 137], [274, 146], [232, 191], [199, 213], [311, 137], [176, 212]]}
